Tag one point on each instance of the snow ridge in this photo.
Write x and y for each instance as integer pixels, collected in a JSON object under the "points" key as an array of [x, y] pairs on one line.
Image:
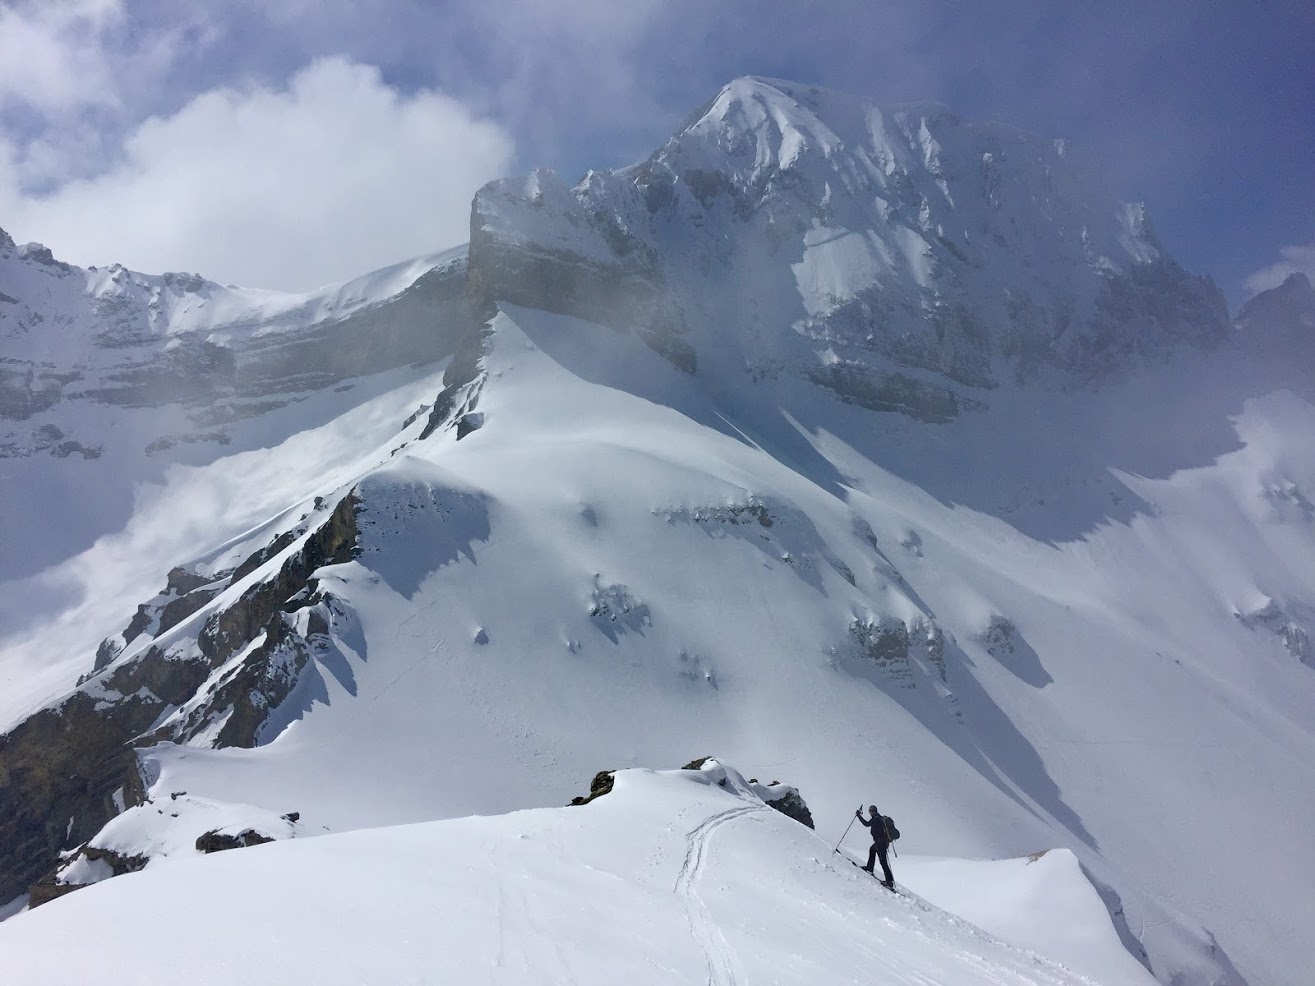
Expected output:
{"points": [[580, 894]]}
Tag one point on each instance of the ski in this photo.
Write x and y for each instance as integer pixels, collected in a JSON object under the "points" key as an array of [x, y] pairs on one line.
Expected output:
{"points": [[859, 866]]}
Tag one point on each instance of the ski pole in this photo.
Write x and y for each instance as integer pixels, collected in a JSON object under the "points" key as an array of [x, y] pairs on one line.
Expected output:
{"points": [[842, 838]]}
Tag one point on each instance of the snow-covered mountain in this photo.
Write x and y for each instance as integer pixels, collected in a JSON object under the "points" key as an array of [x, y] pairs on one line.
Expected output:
{"points": [[134, 339], [901, 257], [147, 370], [868, 448]]}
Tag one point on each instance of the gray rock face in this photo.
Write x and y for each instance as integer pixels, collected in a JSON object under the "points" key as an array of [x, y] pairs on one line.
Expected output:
{"points": [[116, 863], [588, 267], [1294, 625], [790, 804], [905, 653], [897, 391], [886, 643], [999, 636], [222, 842], [598, 787], [185, 593]]}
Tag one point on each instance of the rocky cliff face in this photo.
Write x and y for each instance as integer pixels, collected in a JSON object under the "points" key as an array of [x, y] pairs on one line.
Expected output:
{"points": [[70, 768], [534, 244], [901, 257]]}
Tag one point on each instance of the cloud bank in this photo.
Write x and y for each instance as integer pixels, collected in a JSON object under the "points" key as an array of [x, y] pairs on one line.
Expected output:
{"points": [[333, 175], [1157, 94], [52, 55]]}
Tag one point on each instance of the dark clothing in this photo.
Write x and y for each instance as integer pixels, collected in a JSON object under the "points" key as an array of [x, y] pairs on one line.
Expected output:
{"points": [[877, 823], [880, 844], [878, 851]]}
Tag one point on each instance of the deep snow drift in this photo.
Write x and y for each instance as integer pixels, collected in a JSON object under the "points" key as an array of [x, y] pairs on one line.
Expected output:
{"points": [[674, 877]]}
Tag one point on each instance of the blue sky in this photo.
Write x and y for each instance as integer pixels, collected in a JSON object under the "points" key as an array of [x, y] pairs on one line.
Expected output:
{"points": [[289, 142]]}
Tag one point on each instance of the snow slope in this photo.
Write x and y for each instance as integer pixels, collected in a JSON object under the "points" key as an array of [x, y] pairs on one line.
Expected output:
{"points": [[138, 514], [671, 878], [1043, 902], [629, 606]]}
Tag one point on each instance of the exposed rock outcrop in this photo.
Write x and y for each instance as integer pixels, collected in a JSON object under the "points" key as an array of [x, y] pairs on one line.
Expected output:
{"points": [[62, 768], [905, 653], [334, 542], [1293, 625], [222, 842], [68, 769], [893, 391], [615, 611], [788, 801], [462, 379], [999, 636], [599, 786], [784, 798], [185, 593], [886, 642], [105, 863]]}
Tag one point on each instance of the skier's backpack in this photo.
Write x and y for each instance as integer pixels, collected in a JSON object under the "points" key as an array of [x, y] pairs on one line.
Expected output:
{"points": [[892, 832]]}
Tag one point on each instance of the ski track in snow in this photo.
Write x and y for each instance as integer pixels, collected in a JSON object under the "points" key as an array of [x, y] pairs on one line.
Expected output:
{"points": [[723, 965]]}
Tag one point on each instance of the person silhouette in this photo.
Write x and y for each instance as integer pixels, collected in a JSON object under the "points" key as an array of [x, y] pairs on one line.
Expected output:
{"points": [[880, 844]]}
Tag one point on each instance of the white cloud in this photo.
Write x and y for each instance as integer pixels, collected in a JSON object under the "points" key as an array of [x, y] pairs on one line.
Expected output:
{"points": [[52, 55], [333, 176], [559, 72], [1295, 259]]}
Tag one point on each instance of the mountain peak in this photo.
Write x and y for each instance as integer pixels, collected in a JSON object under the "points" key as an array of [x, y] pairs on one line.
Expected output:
{"points": [[1297, 283], [894, 255], [1278, 325]]}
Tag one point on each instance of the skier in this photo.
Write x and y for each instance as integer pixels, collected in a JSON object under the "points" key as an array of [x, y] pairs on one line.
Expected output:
{"points": [[880, 843]]}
